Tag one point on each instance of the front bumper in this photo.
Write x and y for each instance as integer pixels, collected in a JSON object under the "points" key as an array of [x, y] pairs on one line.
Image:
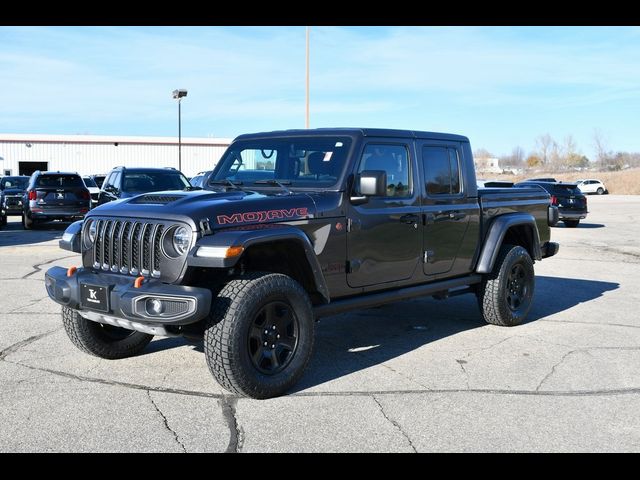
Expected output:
{"points": [[126, 304]]}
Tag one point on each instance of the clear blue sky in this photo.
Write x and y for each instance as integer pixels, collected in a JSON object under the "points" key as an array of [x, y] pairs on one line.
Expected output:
{"points": [[501, 86]]}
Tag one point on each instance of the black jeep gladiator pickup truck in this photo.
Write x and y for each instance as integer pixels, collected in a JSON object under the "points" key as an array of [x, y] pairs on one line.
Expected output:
{"points": [[293, 226]]}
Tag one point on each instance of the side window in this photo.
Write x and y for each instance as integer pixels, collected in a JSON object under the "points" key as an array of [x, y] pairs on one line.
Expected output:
{"points": [[394, 160], [441, 170], [107, 181]]}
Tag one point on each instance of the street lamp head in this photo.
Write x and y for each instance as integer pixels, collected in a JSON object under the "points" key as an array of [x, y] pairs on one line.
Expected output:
{"points": [[181, 92]]}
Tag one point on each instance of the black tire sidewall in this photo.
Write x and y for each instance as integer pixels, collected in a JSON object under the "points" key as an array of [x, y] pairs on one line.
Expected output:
{"points": [[516, 255], [235, 323], [301, 352]]}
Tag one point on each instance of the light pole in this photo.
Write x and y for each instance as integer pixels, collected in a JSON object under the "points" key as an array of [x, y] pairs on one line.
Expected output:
{"points": [[181, 92], [306, 123]]}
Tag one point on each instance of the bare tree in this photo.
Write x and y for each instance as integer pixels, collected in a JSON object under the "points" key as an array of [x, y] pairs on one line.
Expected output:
{"points": [[482, 153], [544, 145], [600, 147]]}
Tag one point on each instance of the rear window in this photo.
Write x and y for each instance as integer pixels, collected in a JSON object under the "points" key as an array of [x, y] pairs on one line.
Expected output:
{"points": [[12, 182], [59, 181], [566, 189]]}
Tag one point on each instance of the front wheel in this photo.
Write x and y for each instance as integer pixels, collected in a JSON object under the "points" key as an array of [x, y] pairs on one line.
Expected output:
{"points": [[505, 295], [101, 340], [571, 223], [259, 337]]}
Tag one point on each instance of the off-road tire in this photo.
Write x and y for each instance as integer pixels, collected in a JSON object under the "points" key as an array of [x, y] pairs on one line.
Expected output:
{"points": [[227, 338], [571, 223], [104, 341], [495, 291]]}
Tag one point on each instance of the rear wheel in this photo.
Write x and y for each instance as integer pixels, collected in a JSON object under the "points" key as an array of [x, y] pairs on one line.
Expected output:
{"points": [[505, 295], [27, 223], [101, 340], [259, 337], [571, 223], [600, 191]]}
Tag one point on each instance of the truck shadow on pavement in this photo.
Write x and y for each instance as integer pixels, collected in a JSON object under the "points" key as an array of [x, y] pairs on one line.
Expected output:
{"points": [[355, 341]]}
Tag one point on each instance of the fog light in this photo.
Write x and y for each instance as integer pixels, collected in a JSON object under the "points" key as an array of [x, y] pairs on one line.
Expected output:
{"points": [[154, 306]]}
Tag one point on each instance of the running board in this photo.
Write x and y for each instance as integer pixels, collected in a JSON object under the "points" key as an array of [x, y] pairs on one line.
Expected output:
{"points": [[390, 296]]}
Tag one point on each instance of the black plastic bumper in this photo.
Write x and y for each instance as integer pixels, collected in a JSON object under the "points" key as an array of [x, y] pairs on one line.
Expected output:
{"points": [[126, 301], [549, 249]]}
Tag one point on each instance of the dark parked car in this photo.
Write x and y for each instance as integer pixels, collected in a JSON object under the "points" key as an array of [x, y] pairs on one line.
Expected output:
{"points": [[12, 189], [544, 179], [128, 182], [54, 196], [571, 202]]}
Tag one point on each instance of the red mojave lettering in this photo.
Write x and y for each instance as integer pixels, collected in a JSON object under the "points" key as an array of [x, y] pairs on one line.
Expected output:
{"points": [[262, 216]]}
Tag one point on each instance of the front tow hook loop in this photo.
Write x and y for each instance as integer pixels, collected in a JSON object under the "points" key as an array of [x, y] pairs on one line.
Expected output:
{"points": [[137, 283]]}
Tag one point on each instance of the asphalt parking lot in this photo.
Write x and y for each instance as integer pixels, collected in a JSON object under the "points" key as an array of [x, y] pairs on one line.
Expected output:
{"points": [[421, 375]]}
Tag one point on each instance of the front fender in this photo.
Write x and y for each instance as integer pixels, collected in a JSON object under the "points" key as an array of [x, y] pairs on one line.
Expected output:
{"points": [[210, 251], [495, 236], [71, 237]]}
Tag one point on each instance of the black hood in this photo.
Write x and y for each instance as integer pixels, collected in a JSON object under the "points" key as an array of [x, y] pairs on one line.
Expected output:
{"points": [[222, 209]]}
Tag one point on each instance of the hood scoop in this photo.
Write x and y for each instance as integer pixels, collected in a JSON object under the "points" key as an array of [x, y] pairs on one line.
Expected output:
{"points": [[157, 199]]}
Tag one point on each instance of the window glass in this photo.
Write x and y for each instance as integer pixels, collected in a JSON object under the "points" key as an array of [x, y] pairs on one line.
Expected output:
{"points": [[59, 181], [394, 160], [441, 170]]}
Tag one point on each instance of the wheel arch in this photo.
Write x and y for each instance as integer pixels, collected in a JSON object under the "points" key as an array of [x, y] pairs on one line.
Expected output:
{"points": [[515, 229], [278, 249]]}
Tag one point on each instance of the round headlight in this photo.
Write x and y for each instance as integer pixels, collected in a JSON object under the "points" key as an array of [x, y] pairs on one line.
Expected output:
{"points": [[181, 240], [90, 235]]}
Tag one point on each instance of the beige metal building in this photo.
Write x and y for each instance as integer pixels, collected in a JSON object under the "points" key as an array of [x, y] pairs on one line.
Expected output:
{"points": [[22, 154]]}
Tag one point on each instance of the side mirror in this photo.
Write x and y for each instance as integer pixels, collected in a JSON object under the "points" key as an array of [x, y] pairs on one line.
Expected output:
{"points": [[373, 183]]}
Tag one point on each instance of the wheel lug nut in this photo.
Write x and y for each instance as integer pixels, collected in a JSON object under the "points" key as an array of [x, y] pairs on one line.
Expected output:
{"points": [[273, 327], [266, 331], [273, 346], [278, 336], [265, 344]]}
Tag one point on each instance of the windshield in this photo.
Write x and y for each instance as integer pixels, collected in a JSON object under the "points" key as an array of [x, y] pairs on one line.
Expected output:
{"points": [[88, 181], [154, 181], [14, 182], [309, 162], [99, 179]]}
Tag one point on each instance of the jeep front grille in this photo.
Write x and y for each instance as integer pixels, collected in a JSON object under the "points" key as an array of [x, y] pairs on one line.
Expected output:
{"points": [[128, 246]]}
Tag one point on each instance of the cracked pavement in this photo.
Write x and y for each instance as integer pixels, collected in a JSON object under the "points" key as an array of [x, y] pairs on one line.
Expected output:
{"points": [[415, 376]]}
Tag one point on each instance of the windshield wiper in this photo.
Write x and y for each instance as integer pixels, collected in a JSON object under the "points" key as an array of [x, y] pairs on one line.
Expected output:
{"points": [[226, 181], [273, 181]]}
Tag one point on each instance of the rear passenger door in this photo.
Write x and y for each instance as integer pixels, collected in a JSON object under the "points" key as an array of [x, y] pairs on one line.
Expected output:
{"points": [[445, 207]]}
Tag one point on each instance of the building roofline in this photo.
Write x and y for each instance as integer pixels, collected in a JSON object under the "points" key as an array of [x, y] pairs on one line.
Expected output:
{"points": [[110, 139]]}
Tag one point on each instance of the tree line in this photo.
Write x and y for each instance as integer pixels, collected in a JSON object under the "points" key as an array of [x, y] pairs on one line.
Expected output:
{"points": [[549, 154]]}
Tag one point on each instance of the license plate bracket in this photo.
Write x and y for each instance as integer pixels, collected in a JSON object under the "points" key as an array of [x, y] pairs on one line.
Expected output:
{"points": [[94, 297]]}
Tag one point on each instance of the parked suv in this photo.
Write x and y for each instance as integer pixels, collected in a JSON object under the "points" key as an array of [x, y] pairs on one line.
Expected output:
{"points": [[200, 179], [591, 186], [128, 182], [571, 203], [54, 196], [11, 191], [94, 189]]}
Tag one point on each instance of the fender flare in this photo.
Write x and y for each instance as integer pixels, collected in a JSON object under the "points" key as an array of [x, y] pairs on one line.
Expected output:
{"points": [[495, 236], [220, 241]]}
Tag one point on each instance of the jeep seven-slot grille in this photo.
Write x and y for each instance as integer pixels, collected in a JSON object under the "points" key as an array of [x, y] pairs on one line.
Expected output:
{"points": [[128, 246]]}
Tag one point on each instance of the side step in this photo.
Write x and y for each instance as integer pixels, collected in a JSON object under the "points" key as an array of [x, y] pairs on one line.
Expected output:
{"points": [[390, 296]]}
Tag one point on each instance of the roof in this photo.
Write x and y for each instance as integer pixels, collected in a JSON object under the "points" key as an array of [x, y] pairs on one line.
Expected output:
{"points": [[355, 132]]}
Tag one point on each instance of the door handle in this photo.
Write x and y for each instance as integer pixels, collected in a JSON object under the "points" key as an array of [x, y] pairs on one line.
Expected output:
{"points": [[409, 219]]}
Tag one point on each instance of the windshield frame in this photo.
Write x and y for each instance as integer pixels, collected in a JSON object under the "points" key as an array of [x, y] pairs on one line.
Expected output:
{"points": [[350, 142]]}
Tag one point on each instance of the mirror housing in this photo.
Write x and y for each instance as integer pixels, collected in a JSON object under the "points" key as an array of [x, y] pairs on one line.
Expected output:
{"points": [[372, 183]]}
